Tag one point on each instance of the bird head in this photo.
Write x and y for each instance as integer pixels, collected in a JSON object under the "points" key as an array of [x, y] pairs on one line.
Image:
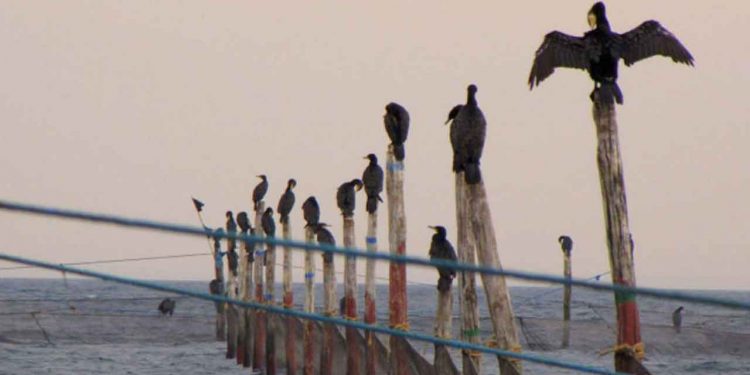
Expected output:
{"points": [[372, 157], [439, 230], [597, 15], [228, 214], [357, 184], [269, 211], [679, 309], [472, 91], [291, 183], [262, 177]]}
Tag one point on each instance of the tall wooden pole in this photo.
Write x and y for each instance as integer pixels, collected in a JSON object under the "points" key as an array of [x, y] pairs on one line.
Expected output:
{"points": [[308, 337], [498, 296], [467, 288], [241, 316], [231, 310], [350, 298], [370, 312], [630, 350], [270, 297], [219, 275], [249, 295], [330, 304], [291, 335], [259, 358], [397, 241], [443, 321], [567, 273]]}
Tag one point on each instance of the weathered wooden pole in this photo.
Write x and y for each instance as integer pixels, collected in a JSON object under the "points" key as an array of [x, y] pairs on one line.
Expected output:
{"points": [[219, 276], [259, 357], [248, 295], [308, 337], [270, 298], [443, 321], [397, 306], [291, 335], [370, 311], [330, 304], [231, 310], [241, 316], [498, 296], [350, 298], [629, 350], [567, 273], [467, 288]]}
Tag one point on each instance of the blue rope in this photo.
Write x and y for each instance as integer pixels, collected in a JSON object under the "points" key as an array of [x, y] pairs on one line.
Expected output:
{"points": [[311, 316], [381, 255]]}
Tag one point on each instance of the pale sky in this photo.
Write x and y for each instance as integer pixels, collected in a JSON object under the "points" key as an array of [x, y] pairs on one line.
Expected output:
{"points": [[131, 107]]}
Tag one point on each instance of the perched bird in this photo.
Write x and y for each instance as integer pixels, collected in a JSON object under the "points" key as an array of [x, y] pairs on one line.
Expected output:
{"points": [[345, 196], [286, 202], [566, 243], [311, 211], [231, 227], [600, 50], [372, 178], [166, 306], [396, 121], [266, 221], [260, 190], [441, 248], [467, 133], [243, 222], [324, 236], [677, 319]]}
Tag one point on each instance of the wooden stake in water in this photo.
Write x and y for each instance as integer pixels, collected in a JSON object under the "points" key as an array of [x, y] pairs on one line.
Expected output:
{"points": [[259, 358], [330, 304], [241, 316], [370, 311], [291, 335], [467, 288], [443, 319], [630, 350], [270, 298], [350, 298], [219, 275], [567, 273], [248, 295], [498, 296], [309, 343], [397, 241]]}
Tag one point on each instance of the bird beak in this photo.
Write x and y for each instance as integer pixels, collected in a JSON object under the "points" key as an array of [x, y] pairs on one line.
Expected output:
{"points": [[358, 188], [431, 227], [592, 20], [257, 176], [365, 157], [447, 121]]}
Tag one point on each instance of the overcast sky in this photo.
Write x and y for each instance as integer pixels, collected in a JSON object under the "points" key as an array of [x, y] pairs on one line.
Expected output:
{"points": [[131, 107]]}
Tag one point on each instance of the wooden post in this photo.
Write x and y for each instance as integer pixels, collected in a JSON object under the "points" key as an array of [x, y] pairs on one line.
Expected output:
{"points": [[467, 288], [309, 343], [241, 316], [220, 307], [291, 335], [270, 298], [259, 357], [443, 323], [350, 298], [630, 350], [567, 273], [330, 304], [498, 297], [231, 311], [397, 241], [248, 295], [370, 312]]}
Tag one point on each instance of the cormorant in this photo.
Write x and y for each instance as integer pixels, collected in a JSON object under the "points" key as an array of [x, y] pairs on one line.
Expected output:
{"points": [[167, 306], [269, 227], [324, 236], [600, 50], [345, 196], [677, 319], [372, 178], [566, 243], [243, 222], [286, 202], [311, 211], [467, 133], [216, 288], [441, 248], [396, 121], [260, 191], [231, 227]]}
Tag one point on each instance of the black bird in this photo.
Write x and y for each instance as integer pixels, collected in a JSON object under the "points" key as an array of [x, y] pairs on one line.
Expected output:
{"points": [[345, 196], [396, 121], [677, 319], [324, 236], [566, 243], [372, 178], [166, 306], [269, 227], [441, 248], [467, 133], [231, 227], [286, 202], [260, 191], [600, 50], [243, 222], [311, 211]]}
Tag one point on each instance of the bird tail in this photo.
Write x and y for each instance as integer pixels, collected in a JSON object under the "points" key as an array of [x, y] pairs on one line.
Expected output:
{"points": [[472, 174], [399, 151], [444, 284], [608, 93], [372, 204], [284, 219]]}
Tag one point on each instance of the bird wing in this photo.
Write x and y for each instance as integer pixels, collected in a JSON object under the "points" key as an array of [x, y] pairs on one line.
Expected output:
{"points": [[557, 50], [651, 39]]}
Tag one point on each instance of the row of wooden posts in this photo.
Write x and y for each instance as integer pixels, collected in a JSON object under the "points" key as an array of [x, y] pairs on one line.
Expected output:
{"points": [[246, 329]]}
